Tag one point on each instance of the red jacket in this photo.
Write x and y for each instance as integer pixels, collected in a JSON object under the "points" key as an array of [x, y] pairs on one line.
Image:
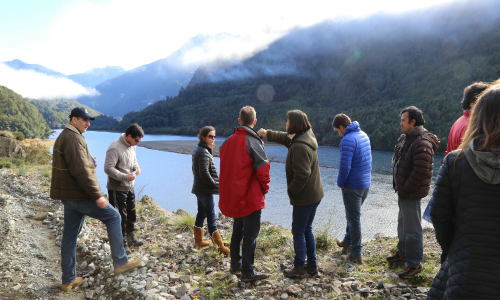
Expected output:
{"points": [[244, 173], [457, 132]]}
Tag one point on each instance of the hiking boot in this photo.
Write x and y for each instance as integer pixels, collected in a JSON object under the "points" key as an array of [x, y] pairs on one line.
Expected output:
{"points": [[132, 241], [357, 260], [345, 248], [66, 287], [410, 272], [253, 277], [312, 270], [128, 266], [296, 272], [395, 257], [236, 272]]}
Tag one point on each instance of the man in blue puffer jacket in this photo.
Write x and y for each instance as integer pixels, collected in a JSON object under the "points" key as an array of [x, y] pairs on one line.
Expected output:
{"points": [[354, 179]]}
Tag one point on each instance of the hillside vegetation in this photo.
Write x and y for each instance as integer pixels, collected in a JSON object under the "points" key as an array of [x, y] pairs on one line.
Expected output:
{"points": [[369, 69], [56, 111], [19, 115]]}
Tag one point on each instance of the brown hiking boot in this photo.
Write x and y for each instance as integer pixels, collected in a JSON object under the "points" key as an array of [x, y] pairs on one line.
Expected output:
{"points": [[395, 257], [217, 240], [345, 248], [198, 238], [66, 287], [128, 266], [357, 260], [410, 272]]}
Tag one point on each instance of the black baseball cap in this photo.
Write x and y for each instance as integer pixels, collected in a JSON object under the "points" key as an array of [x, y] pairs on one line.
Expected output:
{"points": [[82, 113]]}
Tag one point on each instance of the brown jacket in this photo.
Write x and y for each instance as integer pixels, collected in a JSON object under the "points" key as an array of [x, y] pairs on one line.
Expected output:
{"points": [[120, 161], [73, 172], [413, 175]]}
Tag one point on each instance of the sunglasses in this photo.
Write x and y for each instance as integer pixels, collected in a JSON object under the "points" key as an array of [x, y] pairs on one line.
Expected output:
{"points": [[137, 141], [211, 136]]}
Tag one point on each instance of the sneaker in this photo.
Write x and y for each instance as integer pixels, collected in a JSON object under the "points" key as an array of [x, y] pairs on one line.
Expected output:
{"points": [[312, 270], [345, 248], [357, 260], [128, 266], [296, 272], [66, 287], [253, 277], [395, 257], [236, 272], [410, 272]]}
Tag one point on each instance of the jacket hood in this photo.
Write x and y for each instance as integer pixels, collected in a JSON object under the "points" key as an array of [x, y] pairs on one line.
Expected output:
{"points": [[250, 131], [353, 127], [433, 139], [73, 128], [486, 165], [307, 138]]}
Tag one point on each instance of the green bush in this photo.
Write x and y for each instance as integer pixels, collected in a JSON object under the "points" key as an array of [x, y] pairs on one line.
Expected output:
{"points": [[18, 135], [17, 161], [36, 153], [5, 163]]}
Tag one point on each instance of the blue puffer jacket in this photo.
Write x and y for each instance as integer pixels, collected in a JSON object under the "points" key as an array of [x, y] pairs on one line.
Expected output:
{"points": [[355, 169]]}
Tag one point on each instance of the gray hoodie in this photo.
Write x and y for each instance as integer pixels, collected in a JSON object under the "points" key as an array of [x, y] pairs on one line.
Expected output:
{"points": [[486, 165]]}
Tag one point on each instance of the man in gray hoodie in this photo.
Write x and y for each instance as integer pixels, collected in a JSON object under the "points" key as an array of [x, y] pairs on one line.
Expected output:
{"points": [[122, 168]]}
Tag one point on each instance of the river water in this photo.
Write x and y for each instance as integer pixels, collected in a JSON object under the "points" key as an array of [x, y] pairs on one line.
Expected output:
{"points": [[167, 178]]}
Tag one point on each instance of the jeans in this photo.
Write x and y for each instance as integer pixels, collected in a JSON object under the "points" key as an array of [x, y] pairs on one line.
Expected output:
{"points": [[411, 243], [124, 202], [74, 216], [353, 200], [206, 209], [303, 236], [246, 229]]}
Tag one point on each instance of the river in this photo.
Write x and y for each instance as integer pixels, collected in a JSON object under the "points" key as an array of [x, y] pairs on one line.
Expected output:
{"points": [[167, 178]]}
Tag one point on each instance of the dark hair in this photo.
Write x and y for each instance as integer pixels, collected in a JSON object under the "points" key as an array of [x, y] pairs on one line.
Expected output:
{"points": [[414, 114], [298, 122], [204, 132], [484, 122], [134, 130], [341, 119], [472, 92], [247, 115]]}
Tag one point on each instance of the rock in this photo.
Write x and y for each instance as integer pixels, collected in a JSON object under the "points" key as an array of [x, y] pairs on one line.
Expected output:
{"points": [[294, 289], [181, 291], [422, 290], [120, 278], [160, 253], [284, 296], [185, 297], [402, 284], [181, 211], [173, 277], [354, 286], [380, 284], [91, 267], [185, 278], [16, 287], [364, 290], [151, 284], [208, 270], [89, 294], [144, 261]]}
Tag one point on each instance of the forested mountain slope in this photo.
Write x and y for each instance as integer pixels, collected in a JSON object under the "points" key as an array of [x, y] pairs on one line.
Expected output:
{"points": [[369, 69], [19, 115]]}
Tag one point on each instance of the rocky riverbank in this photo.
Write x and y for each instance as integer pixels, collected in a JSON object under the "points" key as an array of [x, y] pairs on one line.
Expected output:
{"points": [[171, 267]]}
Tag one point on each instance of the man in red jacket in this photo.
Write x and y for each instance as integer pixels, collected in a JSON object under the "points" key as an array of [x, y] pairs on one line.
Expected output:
{"points": [[457, 131], [244, 180]]}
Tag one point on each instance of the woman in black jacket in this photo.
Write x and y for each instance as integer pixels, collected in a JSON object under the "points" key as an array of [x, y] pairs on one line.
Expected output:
{"points": [[205, 185], [465, 209]]}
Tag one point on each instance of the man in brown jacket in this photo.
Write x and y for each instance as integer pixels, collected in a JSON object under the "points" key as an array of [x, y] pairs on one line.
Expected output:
{"points": [[121, 167], [413, 161], [74, 181]]}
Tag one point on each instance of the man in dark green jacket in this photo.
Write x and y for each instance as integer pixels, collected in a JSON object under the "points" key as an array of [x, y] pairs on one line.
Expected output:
{"points": [[74, 181]]}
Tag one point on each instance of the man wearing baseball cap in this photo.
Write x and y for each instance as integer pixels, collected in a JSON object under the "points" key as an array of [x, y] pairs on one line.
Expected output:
{"points": [[74, 181]]}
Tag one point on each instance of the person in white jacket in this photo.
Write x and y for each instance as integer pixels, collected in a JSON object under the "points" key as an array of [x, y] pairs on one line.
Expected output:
{"points": [[121, 167]]}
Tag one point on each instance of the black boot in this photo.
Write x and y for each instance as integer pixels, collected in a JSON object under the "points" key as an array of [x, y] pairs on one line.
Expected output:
{"points": [[312, 270], [132, 241]]}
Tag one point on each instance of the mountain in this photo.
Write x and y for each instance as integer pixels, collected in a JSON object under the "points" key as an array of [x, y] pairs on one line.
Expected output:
{"points": [[56, 111], [16, 64], [96, 76], [368, 68], [19, 115], [136, 89]]}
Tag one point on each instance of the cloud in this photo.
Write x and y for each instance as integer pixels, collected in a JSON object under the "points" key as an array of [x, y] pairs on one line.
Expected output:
{"points": [[36, 85]]}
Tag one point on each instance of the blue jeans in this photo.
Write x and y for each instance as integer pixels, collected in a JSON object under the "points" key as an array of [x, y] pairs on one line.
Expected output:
{"points": [[74, 216], [411, 243], [206, 209], [246, 229], [353, 199], [303, 236]]}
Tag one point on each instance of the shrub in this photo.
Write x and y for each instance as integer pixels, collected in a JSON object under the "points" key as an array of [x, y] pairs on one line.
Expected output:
{"points": [[17, 161], [36, 153], [184, 222], [18, 135], [5, 163], [272, 237]]}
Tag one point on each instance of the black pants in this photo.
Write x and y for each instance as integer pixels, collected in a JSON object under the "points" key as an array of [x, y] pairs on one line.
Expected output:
{"points": [[124, 202], [246, 229]]}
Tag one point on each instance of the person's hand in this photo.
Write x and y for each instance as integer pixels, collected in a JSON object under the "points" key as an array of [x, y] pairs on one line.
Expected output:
{"points": [[137, 171], [130, 177], [262, 132], [102, 203]]}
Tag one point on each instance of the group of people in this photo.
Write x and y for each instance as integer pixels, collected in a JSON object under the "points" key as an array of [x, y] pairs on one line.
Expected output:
{"points": [[464, 207]]}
